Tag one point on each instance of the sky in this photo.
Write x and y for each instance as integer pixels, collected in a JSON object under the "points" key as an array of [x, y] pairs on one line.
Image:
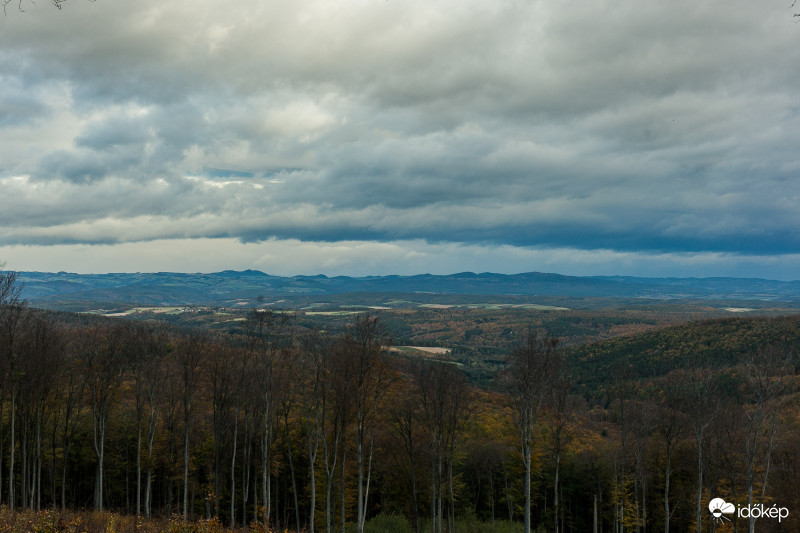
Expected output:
{"points": [[370, 137]]}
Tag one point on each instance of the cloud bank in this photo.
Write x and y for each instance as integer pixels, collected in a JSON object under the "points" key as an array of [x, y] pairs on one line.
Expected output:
{"points": [[591, 138]]}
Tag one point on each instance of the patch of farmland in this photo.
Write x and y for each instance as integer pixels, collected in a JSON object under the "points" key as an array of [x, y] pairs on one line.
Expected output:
{"points": [[420, 350], [331, 313]]}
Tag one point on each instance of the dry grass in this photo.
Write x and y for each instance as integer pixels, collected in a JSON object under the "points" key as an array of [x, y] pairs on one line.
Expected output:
{"points": [[52, 521]]}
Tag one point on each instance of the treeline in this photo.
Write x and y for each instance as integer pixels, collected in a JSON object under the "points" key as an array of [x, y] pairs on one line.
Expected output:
{"points": [[327, 431]]}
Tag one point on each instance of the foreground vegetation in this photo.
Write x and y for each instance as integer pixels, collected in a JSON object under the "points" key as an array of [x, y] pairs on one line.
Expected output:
{"points": [[57, 521], [293, 428]]}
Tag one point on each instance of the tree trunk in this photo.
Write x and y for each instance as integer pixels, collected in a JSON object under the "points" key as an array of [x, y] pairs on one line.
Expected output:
{"points": [[434, 494], [527, 519], [139, 467], [341, 491], [99, 448], [12, 449], [246, 468], [360, 470], [291, 470], [699, 515], [39, 459], [555, 491], [415, 497], [452, 508], [2, 403], [312, 455], [233, 470], [151, 434], [330, 472], [186, 474], [266, 481]]}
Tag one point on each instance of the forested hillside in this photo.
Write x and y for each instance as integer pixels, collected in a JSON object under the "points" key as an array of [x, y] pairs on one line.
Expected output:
{"points": [[717, 343], [303, 428]]}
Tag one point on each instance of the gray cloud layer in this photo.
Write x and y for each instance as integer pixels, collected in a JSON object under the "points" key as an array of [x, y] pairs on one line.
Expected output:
{"points": [[631, 127]]}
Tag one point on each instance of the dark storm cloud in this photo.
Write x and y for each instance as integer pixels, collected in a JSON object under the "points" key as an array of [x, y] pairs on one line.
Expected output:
{"points": [[633, 128]]}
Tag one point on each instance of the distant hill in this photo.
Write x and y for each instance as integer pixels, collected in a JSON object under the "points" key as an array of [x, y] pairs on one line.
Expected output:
{"points": [[717, 342], [251, 287]]}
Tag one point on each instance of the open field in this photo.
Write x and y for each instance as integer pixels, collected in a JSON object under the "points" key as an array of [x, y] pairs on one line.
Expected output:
{"points": [[475, 332], [421, 350]]}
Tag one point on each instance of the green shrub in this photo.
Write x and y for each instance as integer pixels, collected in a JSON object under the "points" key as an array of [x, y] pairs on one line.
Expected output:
{"points": [[471, 524], [388, 523]]}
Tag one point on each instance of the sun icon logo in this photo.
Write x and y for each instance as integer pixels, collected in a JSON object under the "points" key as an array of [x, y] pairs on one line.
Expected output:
{"points": [[719, 508]]}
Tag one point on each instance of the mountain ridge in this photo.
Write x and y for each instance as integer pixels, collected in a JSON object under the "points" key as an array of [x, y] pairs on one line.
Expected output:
{"points": [[175, 288]]}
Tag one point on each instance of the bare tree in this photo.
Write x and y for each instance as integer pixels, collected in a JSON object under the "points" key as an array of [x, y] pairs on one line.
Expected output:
{"points": [[21, 4], [225, 377], [71, 384], [42, 352], [104, 366], [12, 314], [154, 375], [365, 341], [313, 393], [432, 381], [287, 369], [458, 408], [190, 353], [561, 405], [526, 376], [671, 425], [767, 372], [337, 413], [405, 420], [269, 333], [701, 406], [144, 349]]}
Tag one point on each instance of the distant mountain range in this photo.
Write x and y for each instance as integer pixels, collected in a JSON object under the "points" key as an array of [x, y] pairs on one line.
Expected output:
{"points": [[251, 286]]}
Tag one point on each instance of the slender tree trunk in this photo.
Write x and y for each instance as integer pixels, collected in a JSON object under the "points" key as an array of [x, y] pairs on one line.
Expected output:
{"points": [[434, 494], [452, 509], [492, 493], [360, 474], [151, 434], [266, 485], [233, 470], [139, 468], [99, 448], [509, 503], [369, 476], [699, 509], [341, 490], [312, 455], [186, 475], [667, 473], [330, 473], [2, 403], [39, 459], [415, 496], [12, 449], [527, 517], [23, 478], [64, 476], [291, 470], [555, 491], [439, 500], [246, 468], [147, 493]]}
